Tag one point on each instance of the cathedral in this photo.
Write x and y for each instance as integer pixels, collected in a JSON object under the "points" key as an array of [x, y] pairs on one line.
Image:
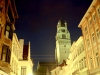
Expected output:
{"points": [[63, 42]]}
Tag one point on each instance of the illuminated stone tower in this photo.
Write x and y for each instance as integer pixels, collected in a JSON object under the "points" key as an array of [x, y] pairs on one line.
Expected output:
{"points": [[63, 42]]}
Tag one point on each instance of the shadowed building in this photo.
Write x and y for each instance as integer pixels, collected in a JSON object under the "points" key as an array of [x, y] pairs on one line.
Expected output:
{"points": [[8, 15], [90, 26], [44, 68], [63, 42]]}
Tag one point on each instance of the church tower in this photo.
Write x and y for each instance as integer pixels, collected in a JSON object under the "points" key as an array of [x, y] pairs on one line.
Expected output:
{"points": [[63, 42]]}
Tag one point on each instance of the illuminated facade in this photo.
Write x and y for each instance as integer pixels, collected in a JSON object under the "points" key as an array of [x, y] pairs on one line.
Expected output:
{"points": [[8, 15], [63, 42], [25, 65], [90, 26], [78, 58], [21, 63], [15, 55], [76, 62]]}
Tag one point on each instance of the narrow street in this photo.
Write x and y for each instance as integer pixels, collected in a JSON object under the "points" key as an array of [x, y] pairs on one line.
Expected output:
{"points": [[50, 37]]}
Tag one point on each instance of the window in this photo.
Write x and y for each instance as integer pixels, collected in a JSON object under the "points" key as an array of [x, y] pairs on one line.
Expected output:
{"points": [[94, 18], [4, 51], [6, 54], [91, 63], [84, 62], [0, 31], [85, 30], [58, 31], [63, 36], [63, 30], [0, 28], [98, 33], [1, 8], [23, 70], [93, 37], [64, 45], [90, 23], [88, 43], [80, 64], [97, 59], [7, 31], [98, 11]]}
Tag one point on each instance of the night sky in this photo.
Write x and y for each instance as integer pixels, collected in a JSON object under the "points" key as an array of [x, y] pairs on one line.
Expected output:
{"points": [[38, 20]]}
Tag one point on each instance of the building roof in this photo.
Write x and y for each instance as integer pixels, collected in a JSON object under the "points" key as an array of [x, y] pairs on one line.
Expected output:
{"points": [[13, 7], [87, 12]]}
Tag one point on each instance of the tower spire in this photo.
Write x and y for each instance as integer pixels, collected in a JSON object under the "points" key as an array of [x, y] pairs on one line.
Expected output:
{"points": [[66, 25], [59, 23]]}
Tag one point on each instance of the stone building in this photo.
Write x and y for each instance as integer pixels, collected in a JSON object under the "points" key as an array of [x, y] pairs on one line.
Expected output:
{"points": [[8, 15], [78, 58], [25, 65], [90, 26], [21, 63]]}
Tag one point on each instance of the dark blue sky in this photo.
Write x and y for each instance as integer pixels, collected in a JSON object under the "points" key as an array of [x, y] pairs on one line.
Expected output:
{"points": [[38, 20]]}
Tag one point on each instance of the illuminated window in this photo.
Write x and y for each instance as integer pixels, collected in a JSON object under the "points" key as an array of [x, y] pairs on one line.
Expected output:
{"points": [[23, 70]]}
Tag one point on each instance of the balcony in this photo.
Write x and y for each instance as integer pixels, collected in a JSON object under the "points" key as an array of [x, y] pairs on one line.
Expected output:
{"points": [[4, 66]]}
